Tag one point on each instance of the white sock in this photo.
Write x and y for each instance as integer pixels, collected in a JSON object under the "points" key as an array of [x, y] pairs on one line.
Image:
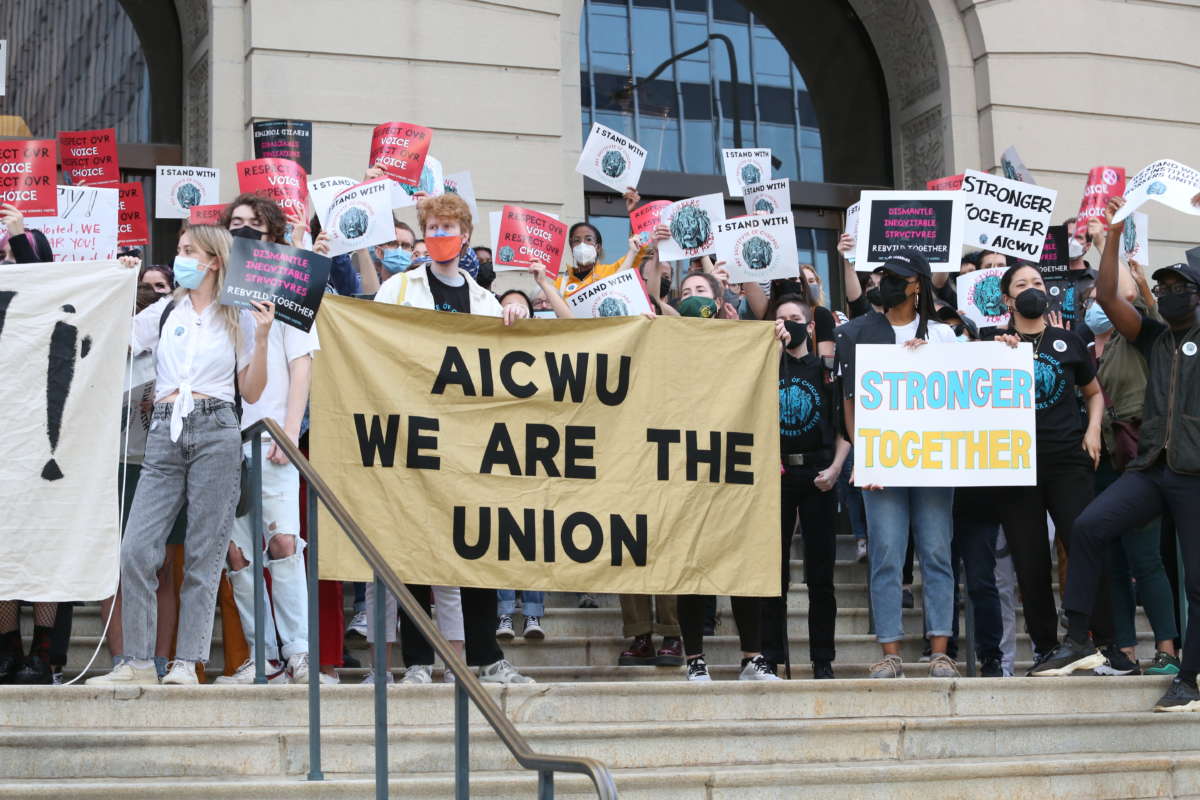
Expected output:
{"points": [[140, 663]]}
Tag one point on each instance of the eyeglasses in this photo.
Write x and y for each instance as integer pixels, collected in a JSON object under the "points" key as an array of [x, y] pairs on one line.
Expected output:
{"points": [[1164, 289]]}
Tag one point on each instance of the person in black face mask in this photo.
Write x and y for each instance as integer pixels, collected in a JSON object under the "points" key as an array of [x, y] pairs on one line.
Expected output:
{"points": [[1165, 475], [1067, 454]]}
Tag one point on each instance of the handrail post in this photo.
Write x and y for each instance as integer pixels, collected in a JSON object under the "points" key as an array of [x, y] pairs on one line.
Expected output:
{"points": [[314, 638], [545, 784], [256, 539], [462, 741], [381, 676]]}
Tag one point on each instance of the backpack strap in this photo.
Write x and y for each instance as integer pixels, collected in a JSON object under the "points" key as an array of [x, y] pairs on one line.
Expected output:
{"points": [[403, 289], [162, 321]]}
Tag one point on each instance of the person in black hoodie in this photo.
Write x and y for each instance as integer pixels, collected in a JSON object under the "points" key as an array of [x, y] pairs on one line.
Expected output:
{"points": [[28, 246]]}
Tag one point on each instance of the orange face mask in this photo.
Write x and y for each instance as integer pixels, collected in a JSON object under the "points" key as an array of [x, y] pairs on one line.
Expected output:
{"points": [[444, 248]]}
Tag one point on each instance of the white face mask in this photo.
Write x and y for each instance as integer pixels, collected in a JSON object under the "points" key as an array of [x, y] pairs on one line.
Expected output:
{"points": [[584, 254]]}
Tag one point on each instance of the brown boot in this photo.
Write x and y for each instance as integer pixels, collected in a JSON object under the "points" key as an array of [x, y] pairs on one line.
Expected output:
{"points": [[640, 652]]}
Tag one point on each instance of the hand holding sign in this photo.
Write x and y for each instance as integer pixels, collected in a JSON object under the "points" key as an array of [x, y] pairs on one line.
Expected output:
{"points": [[289, 280], [1173, 184], [526, 236]]}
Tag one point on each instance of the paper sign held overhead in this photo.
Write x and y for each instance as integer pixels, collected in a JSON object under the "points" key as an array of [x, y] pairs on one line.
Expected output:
{"points": [[758, 247], [177, 189], [361, 217], [1006, 216], [693, 226], [1135, 239], [1102, 183], [772, 197], [611, 158], [645, 218], [291, 278], [3, 64], [979, 296], [399, 149], [321, 192], [1013, 168], [460, 184], [852, 227], [1173, 184], [748, 167], [931, 223], [1056, 255], [619, 295], [205, 215], [280, 179], [85, 227], [27, 172], [526, 236], [284, 138], [951, 183], [89, 157], [133, 230]]}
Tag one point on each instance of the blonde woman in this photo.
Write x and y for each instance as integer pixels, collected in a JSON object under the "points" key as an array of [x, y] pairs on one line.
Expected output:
{"points": [[205, 354]]}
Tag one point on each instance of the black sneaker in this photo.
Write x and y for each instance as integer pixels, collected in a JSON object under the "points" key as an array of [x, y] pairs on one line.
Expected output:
{"points": [[1066, 658], [991, 668], [1118, 663], [822, 670], [906, 599], [1180, 697], [36, 671]]}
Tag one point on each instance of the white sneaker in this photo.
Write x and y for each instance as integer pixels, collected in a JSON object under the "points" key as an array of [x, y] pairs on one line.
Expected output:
{"points": [[502, 672], [358, 625], [125, 674], [418, 673], [860, 550], [758, 669], [328, 679], [504, 628], [448, 676], [533, 630], [275, 671], [181, 673], [370, 679], [697, 670], [297, 668]]}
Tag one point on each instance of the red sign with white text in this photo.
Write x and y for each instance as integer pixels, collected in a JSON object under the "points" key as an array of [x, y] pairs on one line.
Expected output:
{"points": [[1102, 183], [644, 219], [132, 228], [28, 169], [951, 183], [205, 215], [89, 158], [399, 149], [280, 179], [527, 236]]}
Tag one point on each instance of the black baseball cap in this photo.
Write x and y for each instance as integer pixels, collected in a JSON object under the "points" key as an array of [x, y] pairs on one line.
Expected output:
{"points": [[906, 262], [1185, 271]]}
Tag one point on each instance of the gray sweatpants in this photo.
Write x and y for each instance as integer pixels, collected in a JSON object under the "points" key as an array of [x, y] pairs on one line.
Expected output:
{"points": [[203, 468]]}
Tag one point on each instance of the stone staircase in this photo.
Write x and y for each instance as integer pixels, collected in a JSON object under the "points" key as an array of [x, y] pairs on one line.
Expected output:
{"points": [[1084, 737]]}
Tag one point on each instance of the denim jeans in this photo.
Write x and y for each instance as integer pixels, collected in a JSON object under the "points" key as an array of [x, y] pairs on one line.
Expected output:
{"points": [[850, 497], [975, 544], [203, 468], [533, 604], [890, 513]]}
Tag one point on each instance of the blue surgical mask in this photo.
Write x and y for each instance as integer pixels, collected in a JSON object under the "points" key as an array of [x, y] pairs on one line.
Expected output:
{"points": [[188, 272], [397, 260], [1097, 320]]}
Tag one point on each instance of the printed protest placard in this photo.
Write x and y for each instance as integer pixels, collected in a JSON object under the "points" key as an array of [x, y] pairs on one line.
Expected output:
{"points": [[89, 157], [645, 218], [494, 233], [361, 217], [177, 189], [133, 229], [1173, 184], [3, 64], [284, 138], [280, 179], [980, 298], [1013, 168], [291, 278], [852, 228], [693, 226], [85, 227], [951, 183], [757, 247], [1102, 183], [460, 184], [1135, 238], [1060, 290], [432, 182], [399, 149], [771, 197], [612, 159], [321, 192], [619, 295], [945, 415], [526, 236], [205, 215], [746, 168], [1006, 216], [27, 171], [929, 222], [1056, 254]]}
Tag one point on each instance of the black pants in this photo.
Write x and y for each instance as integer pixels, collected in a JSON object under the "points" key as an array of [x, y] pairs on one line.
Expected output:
{"points": [[817, 511], [1064, 488], [975, 544], [479, 626], [1136, 498], [747, 613]]}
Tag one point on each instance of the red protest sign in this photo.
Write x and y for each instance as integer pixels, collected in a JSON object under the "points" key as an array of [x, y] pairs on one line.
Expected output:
{"points": [[950, 183], [643, 219], [89, 157], [205, 215], [280, 179], [527, 236], [132, 228], [1102, 183], [28, 169], [399, 149]]}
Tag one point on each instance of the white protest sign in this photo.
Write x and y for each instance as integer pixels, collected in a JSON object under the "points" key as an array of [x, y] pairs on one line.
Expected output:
{"points": [[758, 247], [773, 197], [693, 226], [619, 295], [137, 406], [361, 217], [744, 168], [611, 159], [321, 192], [3, 64], [86, 226], [944, 415], [979, 296], [460, 184], [1013, 168], [930, 223], [1135, 238], [852, 227], [177, 189], [1004, 216], [1173, 184]]}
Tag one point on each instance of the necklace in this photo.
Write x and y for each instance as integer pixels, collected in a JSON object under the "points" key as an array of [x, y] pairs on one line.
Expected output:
{"points": [[1033, 338]]}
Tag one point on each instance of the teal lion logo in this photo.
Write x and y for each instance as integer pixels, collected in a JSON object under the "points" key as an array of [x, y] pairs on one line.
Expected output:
{"points": [[1158, 187], [354, 223], [188, 195], [1129, 236], [751, 174], [612, 307], [757, 253], [691, 227], [763, 204], [987, 297], [613, 164], [507, 254], [425, 184], [1010, 171]]}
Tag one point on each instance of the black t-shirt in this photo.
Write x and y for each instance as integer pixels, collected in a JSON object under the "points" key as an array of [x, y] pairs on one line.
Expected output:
{"points": [[859, 307], [805, 405], [824, 323], [1062, 364], [447, 297]]}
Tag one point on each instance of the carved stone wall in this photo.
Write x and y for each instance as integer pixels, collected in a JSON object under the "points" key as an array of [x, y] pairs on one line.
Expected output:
{"points": [[194, 24]]}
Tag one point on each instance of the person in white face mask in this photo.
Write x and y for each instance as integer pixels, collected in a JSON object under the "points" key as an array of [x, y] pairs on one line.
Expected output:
{"points": [[587, 253]]}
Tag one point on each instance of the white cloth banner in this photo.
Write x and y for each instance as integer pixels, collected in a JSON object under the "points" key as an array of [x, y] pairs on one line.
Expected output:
{"points": [[1173, 184], [85, 228], [758, 247], [177, 189], [620, 295], [944, 415], [64, 332], [612, 159], [1006, 216], [745, 168]]}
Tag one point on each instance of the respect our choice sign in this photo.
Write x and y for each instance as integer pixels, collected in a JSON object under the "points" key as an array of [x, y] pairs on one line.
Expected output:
{"points": [[1006, 216], [945, 415]]}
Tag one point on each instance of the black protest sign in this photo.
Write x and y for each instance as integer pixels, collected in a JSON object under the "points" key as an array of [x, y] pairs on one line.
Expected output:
{"points": [[1056, 256], [930, 223], [291, 278], [284, 138]]}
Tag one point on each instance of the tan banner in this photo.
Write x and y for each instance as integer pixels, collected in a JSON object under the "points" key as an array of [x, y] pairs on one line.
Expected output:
{"points": [[605, 455]]}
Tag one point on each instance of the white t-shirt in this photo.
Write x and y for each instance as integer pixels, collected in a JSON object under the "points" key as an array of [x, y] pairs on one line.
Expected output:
{"points": [[286, 345], [938, 332]]}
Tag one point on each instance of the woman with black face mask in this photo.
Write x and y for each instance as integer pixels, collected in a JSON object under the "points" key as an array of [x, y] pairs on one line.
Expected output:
{"points": [[1067, 454]]}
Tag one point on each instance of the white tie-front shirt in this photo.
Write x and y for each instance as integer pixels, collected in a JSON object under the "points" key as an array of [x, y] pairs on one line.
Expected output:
{"points": [[194, 354]]}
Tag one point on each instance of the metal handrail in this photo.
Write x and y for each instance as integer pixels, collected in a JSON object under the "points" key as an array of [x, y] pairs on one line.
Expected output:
{"points": [[465, 679]]}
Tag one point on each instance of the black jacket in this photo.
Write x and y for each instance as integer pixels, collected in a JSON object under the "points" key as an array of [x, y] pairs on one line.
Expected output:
{"points": [[1171, 414], [871, 328], [31, 248]]}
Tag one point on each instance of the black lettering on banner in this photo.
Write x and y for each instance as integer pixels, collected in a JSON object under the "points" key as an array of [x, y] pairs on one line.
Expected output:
{"points": [[623, 537], [480, 548], [536, 452], [485, 371], [735, 457], [548, 548], [510, 532], [585, 554], [611, 398], [376, 442], [566, 375], [664, 438], [5, 299], [519, 390], [696, 456], [500, 451], [575, 450], [417, 442], [454, 371]]}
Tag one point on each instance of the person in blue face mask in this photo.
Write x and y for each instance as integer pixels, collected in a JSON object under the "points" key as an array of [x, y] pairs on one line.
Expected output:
{"points": [[396, 256]]}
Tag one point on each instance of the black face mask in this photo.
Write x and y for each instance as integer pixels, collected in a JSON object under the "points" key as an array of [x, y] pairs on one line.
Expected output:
{"points": [[664, 286], [873, 298], [246, 232], [1177, 308], [797, 331], [893, 291], [1032, 303]]}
